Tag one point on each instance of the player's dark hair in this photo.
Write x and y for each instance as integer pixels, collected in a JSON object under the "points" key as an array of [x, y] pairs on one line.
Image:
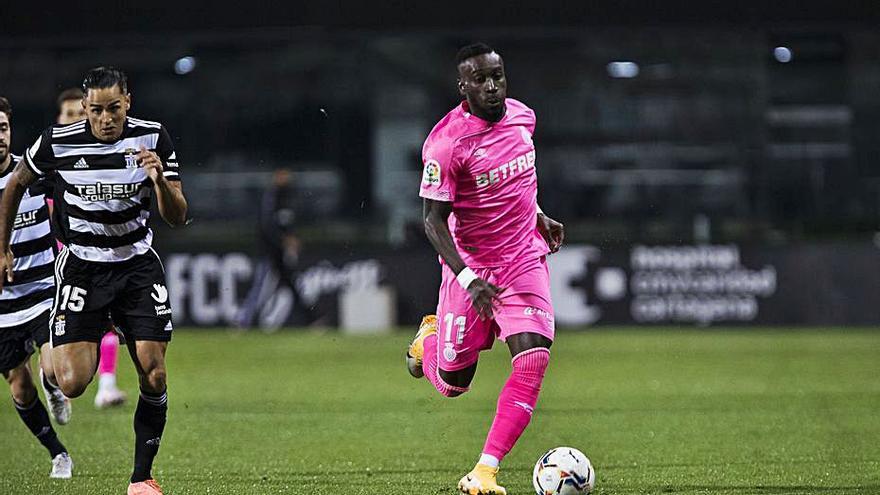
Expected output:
{"points": [[105, 77], [472, 50], [69, 94], [5, 107]]}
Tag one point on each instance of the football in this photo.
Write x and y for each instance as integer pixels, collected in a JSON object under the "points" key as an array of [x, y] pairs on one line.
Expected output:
{"points": [[563, 471]]}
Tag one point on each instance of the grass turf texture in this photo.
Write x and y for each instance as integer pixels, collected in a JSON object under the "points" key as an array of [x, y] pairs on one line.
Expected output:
{"points": [[657, 411]]}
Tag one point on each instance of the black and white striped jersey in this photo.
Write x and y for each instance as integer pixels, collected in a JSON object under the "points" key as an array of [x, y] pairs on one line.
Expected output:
{"points": [[102, 197], [33, 287]]}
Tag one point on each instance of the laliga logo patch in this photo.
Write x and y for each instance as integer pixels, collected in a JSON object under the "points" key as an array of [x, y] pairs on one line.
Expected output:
{"points": [[431, 175], [59, 325]]}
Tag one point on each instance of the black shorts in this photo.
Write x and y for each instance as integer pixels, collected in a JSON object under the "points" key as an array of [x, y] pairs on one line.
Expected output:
{"points": [[17, 343], [132, 291]]}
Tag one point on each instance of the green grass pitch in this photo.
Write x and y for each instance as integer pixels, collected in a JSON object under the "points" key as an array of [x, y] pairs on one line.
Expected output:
{"points": [[657, 411]]}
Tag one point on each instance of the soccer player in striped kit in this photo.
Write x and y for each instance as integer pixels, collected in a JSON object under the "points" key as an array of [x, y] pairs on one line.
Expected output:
{"points": [[105, 171], [481, 215], [25, 305], [70, 110]]}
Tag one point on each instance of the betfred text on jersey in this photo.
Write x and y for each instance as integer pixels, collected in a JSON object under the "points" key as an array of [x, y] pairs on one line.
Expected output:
{"points": [[103, 192], [506, 170]]}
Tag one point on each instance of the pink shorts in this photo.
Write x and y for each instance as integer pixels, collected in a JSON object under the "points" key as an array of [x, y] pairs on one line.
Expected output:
{"points": [[525, 307]]}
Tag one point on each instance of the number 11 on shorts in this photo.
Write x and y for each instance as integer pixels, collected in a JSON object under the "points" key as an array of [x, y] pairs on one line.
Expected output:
{"points": [[460, 322]]}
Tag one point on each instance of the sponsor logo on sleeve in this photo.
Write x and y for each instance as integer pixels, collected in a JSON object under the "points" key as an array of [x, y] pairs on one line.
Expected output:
{"points": [[431, 175], [171, 162]]}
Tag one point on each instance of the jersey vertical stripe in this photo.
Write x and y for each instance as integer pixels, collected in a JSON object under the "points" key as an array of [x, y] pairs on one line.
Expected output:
{"points": [[31, 291]]}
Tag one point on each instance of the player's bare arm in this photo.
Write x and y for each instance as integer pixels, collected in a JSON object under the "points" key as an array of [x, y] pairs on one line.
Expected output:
{"points": [[169, 194], [436, 216], [552, 231], [21, 178]]}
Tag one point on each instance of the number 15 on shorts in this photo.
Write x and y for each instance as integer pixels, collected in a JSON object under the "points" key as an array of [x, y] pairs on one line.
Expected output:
{"points": [[73, 298]]}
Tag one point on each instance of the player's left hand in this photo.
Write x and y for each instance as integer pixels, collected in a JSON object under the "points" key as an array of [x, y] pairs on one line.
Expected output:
{"points": [[151, 163], [552, 231]]}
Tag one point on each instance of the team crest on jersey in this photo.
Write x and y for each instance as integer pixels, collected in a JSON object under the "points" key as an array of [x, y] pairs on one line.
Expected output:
{"points": [[431, 175], [130, 158], [59, 325]]}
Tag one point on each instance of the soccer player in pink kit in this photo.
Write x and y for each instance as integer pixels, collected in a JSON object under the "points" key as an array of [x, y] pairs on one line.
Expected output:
{"points": [[481, 215]]}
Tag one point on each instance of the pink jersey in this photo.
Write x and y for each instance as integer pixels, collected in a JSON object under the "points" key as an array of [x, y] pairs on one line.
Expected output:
{"points": [[487, 171]]}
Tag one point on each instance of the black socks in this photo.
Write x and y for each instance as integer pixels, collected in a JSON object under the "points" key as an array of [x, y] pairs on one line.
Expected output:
{"points": [[36, 418], [149, 422]]}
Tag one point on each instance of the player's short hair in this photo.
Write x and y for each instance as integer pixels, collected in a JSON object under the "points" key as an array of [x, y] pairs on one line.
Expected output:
{"points": [[105, 77], [471, 50], [69, 94], [5, 107]]}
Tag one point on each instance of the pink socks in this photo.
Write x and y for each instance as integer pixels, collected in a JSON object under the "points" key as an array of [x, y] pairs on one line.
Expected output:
{"points": [[109, 347], [429, 366], [516, 401]]}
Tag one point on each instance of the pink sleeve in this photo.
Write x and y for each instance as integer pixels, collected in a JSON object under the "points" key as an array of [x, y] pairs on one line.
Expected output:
{"points": [[440, 168], [532, 121]]}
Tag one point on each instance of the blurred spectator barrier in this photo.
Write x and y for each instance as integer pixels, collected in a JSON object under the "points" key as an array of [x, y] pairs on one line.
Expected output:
{"points": [[804, 284]]}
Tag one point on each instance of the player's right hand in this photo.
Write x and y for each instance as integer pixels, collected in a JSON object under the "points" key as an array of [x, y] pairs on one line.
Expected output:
{"points": [[6, 267], [484, 296]]}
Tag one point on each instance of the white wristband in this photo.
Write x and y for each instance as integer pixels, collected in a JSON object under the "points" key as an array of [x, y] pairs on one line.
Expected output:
{"points": [[540, 211], [465, 277]]}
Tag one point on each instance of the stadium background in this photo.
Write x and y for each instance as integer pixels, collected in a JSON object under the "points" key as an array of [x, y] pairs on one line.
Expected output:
{"points": [[704, 178], [676, 125]]}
